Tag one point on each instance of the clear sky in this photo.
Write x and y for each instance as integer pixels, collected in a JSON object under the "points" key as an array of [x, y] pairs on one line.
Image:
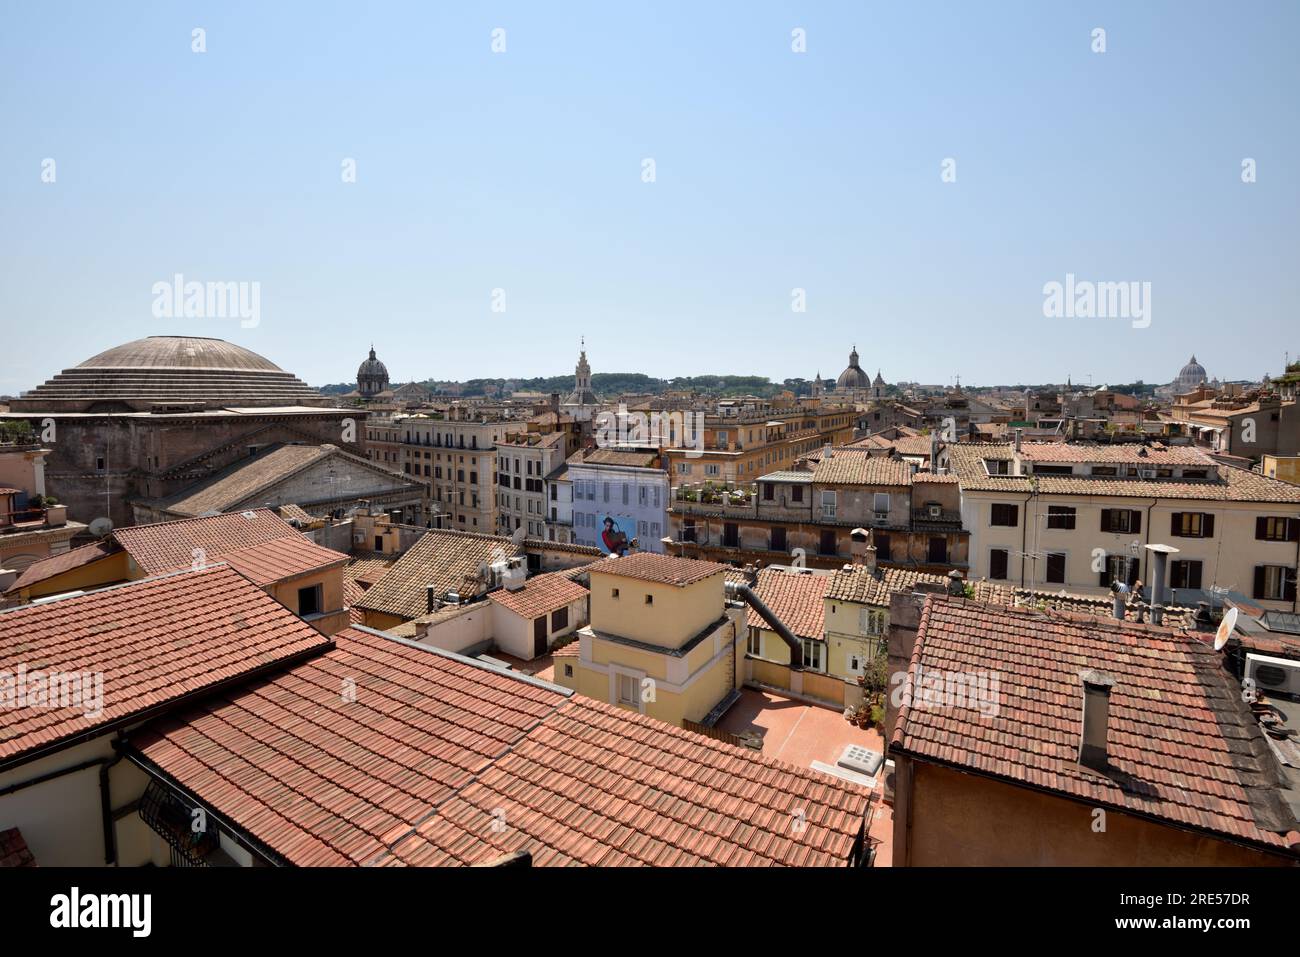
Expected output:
{"points": [[774, 170]]}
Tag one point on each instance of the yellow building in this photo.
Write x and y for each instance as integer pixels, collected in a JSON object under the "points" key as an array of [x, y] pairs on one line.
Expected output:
{"points": [[1285, 468], [662, 640]]}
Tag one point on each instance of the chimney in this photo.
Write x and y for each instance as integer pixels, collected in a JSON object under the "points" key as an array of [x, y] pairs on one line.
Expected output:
{"points": [[827, 451], [430, 599], [1020, 434], [956, 587], [1160, 559], [1096, 717], [934, 452], [861, 550]]}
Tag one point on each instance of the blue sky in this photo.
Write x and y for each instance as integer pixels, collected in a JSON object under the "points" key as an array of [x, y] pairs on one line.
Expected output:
{"points": [[522, 171]]}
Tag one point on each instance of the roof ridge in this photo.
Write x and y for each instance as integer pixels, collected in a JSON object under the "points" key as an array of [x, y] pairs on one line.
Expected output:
{"points": [[58, 599]]}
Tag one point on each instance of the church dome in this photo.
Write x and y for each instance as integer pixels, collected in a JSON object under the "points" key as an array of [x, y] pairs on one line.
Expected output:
{"points": [[853, 377], [372, 375], [163, 370], [1191, 376]]}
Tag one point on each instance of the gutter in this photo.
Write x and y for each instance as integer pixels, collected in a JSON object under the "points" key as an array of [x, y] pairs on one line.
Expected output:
{"points": [[747, 595]]}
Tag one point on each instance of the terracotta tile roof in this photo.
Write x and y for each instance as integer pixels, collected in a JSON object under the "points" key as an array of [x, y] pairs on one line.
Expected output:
{"points": [[282, 558], [642, 460], [1233, 485], [366, 568], [664, 569], [541, 544], [352, 593], [435, 749], [166, 546], [799, 600], [58, 564], [1129, 453], [294, 513], [153, 641], [447, 560], [848, 466], [1182, 745], [856, 584], [934, 478], [13, 849], [571, 650], [540, 595]]}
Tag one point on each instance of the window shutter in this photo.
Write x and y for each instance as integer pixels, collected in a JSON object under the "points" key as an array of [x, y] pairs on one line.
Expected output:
{"points": [[1288, 589], [1105, 520], [1137, 521], [1176, 523], [1207, 526], [1259, 582], [1261, 528], [1293, 529], [1104, 580]]}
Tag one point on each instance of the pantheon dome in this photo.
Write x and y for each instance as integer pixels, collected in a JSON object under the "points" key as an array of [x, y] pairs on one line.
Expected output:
{"points": [[163, 370]]}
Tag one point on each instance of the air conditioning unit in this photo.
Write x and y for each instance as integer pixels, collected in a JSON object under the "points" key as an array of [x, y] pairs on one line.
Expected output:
{"points": [[1274, 675], [1147, 473]]}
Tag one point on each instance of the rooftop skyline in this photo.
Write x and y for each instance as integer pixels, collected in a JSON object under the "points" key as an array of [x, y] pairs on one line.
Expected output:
{"points": [[518, 179]]}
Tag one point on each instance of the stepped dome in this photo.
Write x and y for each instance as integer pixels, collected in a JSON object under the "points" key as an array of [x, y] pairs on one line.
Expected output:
{"points": [[135, 376]]}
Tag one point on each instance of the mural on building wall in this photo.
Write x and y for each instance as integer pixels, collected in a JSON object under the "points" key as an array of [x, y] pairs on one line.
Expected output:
{"points": [[616, 533]]}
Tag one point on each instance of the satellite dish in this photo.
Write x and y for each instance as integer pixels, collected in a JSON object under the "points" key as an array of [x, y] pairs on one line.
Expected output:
{"points": [[100, 527], [518, 535], [1225, 629]]}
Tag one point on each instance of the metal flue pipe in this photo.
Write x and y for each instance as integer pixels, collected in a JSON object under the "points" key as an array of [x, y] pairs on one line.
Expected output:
{"points": [[746, 594]]}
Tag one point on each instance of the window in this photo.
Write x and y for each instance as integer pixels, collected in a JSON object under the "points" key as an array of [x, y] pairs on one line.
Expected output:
{"points": [[309, 600], [1275, 582], [1191, 525], [559, 619], [649, 599], [1002, 514], [1274, 529], [1060, 516], [568, 671], [1119, 568], [872, 622], [812, 654], [938, 550], [1184, 574], [997, 466], [777, 543], [855, 663], [998, 563], [828, 504], [755, 644], [613, 593], [882, 548], [881, 502], [796, 493], [711, 469], [627, 690], [730, 535], [683, 468], [769, 491], [826, 544], [1056, 567], [1053, 470], [1121, 520]]}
